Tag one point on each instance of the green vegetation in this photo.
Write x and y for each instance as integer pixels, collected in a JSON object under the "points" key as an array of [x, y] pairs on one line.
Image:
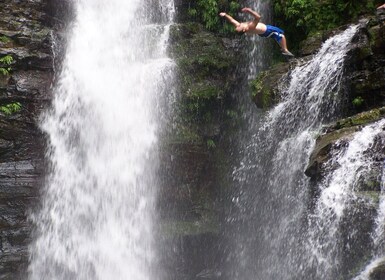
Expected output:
{"points": [[5, 62], [300, 18], [358, 101], [211, 144], [207, 12], [4, 39], [11, 108], [361, 118], [202, 53], [259, 92]]}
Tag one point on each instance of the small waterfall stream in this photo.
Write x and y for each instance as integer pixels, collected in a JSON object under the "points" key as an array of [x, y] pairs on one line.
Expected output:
{"points": [[271, 202], [378, 234], [337, 193], [97, 213]]}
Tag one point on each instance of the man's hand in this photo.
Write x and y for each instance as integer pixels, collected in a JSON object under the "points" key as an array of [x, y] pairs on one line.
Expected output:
{"points": [[381, 7], [222, 14]]}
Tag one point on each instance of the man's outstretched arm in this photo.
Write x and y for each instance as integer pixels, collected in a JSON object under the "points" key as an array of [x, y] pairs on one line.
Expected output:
{"points": [[257, 17], [230, 19]]}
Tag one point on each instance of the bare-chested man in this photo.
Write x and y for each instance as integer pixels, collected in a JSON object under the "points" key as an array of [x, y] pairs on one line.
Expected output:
{"points": [[259, 28]]}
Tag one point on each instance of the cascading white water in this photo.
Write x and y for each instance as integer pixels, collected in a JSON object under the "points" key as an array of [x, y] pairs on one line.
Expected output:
{"points": [[273, 196], [378, 256], [97, 214], [337, 193]]}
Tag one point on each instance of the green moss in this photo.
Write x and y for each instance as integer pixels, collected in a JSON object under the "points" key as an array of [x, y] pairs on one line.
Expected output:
{"points": [[361, 119], [203, 62]]}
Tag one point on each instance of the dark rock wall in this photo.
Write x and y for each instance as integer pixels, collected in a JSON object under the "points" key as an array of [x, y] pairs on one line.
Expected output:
{"points": [[25, 35], [195, 152]]}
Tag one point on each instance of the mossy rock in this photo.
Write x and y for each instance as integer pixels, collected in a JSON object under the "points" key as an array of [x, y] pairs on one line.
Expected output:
{"points": [[206, 71], [363, 118], [311, 44], [342, 129], [377, 39], [265, 88]]}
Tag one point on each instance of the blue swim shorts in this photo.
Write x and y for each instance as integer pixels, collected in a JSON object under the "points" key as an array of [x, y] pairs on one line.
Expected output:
{"points": [[273, 32]]}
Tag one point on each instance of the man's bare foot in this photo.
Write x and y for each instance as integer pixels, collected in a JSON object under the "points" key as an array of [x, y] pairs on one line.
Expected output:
{"points": [[287, 53]]}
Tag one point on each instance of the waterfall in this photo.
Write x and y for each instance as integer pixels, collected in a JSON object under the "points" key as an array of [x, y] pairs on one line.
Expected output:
{"points": [[378, 235], [271, 197], [96, 219], [337, 193]]}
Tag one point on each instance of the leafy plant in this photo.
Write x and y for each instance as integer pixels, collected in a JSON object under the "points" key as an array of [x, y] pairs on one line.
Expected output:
{"points": [[11, 108], [211, 144], [207, 12], [358, 101], [4, 39], [5, 62], [300, 18]]}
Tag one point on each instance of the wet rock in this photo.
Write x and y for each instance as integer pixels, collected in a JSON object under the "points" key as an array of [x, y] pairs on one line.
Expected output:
{"points": [[26, 36], [378, 273], [341, 132], [322, 151], [267, 86], [311, 45]]}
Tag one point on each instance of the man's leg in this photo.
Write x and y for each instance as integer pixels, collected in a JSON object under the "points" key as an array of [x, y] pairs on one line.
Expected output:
{"points": [[283, 44]]}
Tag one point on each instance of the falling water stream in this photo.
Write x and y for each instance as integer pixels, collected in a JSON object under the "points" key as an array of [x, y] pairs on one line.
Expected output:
{"points": [[97, 219]]}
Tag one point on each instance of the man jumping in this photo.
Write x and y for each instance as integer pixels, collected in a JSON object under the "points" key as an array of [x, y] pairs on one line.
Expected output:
{"points": [[259, 28]]}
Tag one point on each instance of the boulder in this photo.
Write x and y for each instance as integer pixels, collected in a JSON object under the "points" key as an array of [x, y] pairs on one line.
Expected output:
{"points": [[340, 133], [378, 273]]}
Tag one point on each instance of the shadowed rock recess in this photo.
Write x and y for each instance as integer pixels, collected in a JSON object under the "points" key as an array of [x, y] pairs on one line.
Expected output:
{"points": [[26, 73]]}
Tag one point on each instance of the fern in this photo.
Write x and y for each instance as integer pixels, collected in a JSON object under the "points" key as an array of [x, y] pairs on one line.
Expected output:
{"points": [[11, 108], [5, 61]]}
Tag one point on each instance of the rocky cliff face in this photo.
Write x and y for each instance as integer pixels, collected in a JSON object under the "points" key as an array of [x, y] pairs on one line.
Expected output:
{"points": [[26, 73], [194, 153]]}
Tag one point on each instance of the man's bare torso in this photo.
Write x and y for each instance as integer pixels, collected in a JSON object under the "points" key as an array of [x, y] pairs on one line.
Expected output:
{"points": [[247, 27]]}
